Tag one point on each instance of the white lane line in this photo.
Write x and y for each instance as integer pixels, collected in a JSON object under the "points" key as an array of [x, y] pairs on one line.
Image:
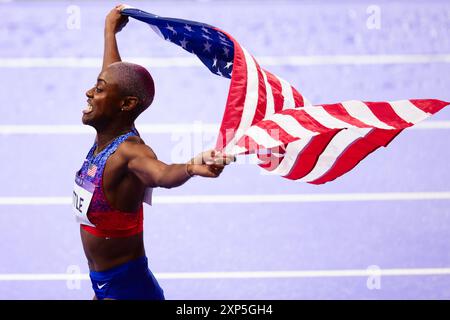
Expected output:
{"points": [[355, 59], [170, 62], [258, 198], [158, 128], [164, 128], [35, 201], [244, 274]]}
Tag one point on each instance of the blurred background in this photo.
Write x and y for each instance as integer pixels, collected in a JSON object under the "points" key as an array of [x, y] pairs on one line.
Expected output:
{"points": [[379, 232]]}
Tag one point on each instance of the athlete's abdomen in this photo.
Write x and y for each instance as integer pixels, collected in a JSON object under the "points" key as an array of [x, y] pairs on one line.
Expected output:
{"points": [[103, 254]]}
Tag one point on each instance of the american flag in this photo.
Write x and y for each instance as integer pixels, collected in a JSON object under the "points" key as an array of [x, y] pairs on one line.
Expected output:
{"points": [[266, 115], [92, 170]]}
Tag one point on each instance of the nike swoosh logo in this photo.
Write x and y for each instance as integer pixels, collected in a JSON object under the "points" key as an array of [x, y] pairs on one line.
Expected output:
{"points": [[101, 286]]}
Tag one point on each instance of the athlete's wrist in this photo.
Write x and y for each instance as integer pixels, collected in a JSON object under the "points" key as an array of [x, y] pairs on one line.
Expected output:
{"points": [[110, 31], [189, 170]]}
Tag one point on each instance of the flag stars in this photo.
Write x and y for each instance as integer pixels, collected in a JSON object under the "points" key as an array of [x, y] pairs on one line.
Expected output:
{"points": [[226, 51], [188, 28], [207, 46], [206, 36], [169, 27], [184, 43], [215, 62], [225, 44], [219, 73], [205, 30], [229, 64]]}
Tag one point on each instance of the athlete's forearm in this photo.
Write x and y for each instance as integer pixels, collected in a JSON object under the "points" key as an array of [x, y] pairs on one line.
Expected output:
{"points": [[154, 173], [174, 175], [114, 22], [111, 51]]}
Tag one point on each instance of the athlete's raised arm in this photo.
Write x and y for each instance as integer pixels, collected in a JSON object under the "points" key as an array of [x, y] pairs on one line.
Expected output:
{"points": [[114, 23]]}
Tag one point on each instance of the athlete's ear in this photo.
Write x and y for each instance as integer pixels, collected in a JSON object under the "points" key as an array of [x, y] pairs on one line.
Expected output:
{"points": [[129, 103]]}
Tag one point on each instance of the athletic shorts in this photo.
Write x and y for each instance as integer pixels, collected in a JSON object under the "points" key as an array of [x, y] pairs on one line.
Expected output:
{"points": [[130, 281]]}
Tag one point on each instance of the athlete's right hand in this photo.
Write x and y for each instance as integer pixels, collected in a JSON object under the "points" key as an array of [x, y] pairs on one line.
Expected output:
{"points": [[115, 21]]}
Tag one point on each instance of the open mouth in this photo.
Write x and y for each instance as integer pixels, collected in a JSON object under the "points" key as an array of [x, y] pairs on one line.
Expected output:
{"points": [[89, 108]]}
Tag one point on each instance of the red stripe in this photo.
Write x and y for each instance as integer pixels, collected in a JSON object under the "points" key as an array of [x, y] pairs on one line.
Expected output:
{"points": [[236, 98], [298, 98], [307, 158], [356, 152], [338, 111], [272, 129], [429, 105], [271, 162], [273, 159], [275, 131], [248, 143], [262, 96], [305, 120], [278, 97], [385, 113]]}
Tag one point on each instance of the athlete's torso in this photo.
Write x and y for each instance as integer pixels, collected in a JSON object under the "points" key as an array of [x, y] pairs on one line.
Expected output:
{"points": [[115, 209]]}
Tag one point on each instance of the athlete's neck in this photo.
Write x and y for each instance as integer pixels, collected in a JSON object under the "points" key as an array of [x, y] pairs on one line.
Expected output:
{"points": [[107, 135]]}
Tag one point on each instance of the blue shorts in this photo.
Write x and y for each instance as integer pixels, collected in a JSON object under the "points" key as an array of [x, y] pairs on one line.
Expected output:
{"points": [[130, 281]]}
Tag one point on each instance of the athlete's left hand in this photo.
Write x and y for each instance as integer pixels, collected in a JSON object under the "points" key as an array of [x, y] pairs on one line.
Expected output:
{"points": [[209, 164], [115, 21]]}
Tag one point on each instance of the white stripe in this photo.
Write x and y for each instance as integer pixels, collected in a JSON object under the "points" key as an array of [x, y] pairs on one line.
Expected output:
{"points": [[341, 141], [359, 110], [406, 110], [157, 128], [170, 62], [286, 91], [237, 150], [290, 157], [252, 198], [251, 100], [270, 105], [262, 138], [324, 118], [244, 274], [291, 126]]}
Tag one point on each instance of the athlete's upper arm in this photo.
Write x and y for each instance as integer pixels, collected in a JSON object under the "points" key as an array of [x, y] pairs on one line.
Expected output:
{"points": [[142, 161]]}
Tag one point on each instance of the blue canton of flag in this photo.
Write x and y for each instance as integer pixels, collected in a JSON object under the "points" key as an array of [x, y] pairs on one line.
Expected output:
{"points": [[212, 46]]}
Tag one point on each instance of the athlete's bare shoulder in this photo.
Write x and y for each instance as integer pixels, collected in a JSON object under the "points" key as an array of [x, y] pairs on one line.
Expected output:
{"points": [[135, 140], [135, 146]]}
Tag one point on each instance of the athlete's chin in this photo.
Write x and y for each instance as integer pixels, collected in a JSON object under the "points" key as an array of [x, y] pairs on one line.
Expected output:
{"points": [[87, 120]]}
